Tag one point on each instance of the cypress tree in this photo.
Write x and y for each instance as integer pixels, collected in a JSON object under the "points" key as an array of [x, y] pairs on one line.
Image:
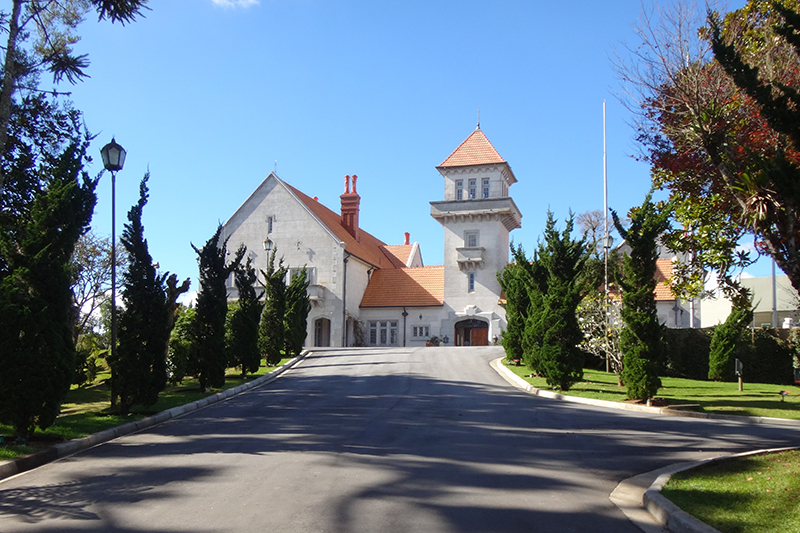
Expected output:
{"points": [[180, 359], [271, 331], [140, 369], [640, 339], [561, 259], [516, 304], [298, 305], [244, 319], [532, 284], [724, 341], [39, 232], [212, 307]]}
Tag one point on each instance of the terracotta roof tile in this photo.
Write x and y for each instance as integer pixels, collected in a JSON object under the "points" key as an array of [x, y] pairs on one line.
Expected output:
{"points": [[475, 150], [409, 287], [663, 273], [367, 248], [399, 253]]}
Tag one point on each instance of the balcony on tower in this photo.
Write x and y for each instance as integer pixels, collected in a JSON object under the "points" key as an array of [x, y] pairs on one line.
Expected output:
{"points": [[470, 258], [502, 209]]}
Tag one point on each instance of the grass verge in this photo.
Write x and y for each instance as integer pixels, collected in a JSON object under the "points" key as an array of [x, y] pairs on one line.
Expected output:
{"points": [[87, 410], [757, 399], [754, 494]]}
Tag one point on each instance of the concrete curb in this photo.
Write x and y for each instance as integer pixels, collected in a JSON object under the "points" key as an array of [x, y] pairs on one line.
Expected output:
{"points": [[520, 383], [29, 462], [629, 496], [672, 517]]}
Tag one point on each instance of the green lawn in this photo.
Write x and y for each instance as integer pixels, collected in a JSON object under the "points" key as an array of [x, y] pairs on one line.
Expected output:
{"points": [[757, 399], [87, 410], [755, 494]]}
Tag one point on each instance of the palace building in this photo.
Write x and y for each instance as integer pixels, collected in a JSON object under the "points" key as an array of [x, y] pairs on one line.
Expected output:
{"points": [[366, 292]]}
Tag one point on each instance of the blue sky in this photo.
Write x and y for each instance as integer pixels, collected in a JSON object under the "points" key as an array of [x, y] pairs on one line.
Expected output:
{"points": [[210, 94]]}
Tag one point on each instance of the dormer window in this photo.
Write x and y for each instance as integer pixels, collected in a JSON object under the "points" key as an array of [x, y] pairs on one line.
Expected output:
{"points": [[473, 189], [459, 189]]}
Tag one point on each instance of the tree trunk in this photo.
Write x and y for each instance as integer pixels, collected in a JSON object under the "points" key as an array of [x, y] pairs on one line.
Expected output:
{"points": [[9, 79]]}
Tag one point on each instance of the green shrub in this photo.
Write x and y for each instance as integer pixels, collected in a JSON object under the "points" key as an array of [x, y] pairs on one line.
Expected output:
{"points": [[766, 359], [685, 353], [723, 344]]}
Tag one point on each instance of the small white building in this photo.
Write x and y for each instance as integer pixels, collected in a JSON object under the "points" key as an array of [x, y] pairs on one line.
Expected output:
{"points": [[364, 291], [786, 302]]}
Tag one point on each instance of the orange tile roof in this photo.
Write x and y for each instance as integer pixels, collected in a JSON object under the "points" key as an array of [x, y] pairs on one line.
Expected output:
{"points": [[475, 150], [663, 273], [399, 253], [406, 287], [367, 248]]}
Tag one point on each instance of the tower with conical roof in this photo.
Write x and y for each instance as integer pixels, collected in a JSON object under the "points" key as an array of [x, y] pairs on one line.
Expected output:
{"points": [[477, 214]]}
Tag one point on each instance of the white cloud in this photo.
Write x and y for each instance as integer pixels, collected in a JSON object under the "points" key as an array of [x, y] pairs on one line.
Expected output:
{"points": [[235, 3]]}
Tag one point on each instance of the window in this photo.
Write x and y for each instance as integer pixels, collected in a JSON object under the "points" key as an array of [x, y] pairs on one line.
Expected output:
{"points": [[373, 333], [311, 274], [421, 332], [485, 187], [471, 239], [471, 282], [459, 189], [473, 184], [270, 221], [383, 333]]}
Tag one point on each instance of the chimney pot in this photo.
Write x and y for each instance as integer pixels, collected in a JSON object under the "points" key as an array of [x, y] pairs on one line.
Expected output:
{"points": [[408, 238]]}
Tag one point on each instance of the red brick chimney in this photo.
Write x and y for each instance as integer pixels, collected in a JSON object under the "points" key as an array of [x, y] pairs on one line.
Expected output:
{"points": [[408, 238], [351, 203]]}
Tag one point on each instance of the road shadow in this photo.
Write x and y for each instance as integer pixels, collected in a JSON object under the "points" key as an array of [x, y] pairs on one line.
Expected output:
{"points": [[437, 424]]}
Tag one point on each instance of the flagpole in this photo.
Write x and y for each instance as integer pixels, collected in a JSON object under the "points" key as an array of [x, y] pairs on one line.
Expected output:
{"points": [[605, 227]]}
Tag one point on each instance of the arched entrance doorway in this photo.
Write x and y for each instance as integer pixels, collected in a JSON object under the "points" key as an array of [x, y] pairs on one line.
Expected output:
{"points": [[472, 332], [322, 332]]}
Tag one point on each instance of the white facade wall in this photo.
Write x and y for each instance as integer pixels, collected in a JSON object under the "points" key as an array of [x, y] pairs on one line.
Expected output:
{"points": [[493, 239], [301, 240], [429, 323], [357, 280]]}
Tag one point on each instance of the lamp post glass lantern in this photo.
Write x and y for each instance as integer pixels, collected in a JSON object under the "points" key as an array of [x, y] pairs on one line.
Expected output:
{"points": [[113, 160]]}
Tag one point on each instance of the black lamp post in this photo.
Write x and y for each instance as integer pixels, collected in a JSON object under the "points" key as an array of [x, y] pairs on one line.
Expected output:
{"points": [[113, 161]]}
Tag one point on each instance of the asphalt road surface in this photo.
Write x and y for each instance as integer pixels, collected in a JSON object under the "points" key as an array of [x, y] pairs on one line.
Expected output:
{"points": [[372, 440]]}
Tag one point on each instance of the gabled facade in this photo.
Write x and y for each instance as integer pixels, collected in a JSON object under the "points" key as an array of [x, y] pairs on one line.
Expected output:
{"points": [[365, 292]]}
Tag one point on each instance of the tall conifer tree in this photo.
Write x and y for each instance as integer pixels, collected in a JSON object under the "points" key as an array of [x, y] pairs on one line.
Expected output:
{"points": [[517, 302], [298, 306], [212, 306], [562, 260], [140, 371], [243, 333], [271, 332], [640, 339], [40, 229]]}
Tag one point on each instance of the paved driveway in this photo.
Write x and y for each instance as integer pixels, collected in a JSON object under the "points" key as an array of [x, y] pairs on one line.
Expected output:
{"points": [[372, 440]]}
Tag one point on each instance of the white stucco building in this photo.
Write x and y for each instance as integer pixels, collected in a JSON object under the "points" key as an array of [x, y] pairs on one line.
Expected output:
{"points": [[364, 291]]}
